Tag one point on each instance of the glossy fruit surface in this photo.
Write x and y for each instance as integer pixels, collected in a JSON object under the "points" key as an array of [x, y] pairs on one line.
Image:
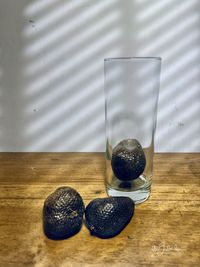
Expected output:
{"points": [[128, 160], [63, 213], [107, 217]]}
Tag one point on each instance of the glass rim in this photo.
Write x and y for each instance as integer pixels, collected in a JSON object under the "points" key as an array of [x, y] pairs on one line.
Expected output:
{"points": [[131, 58]]}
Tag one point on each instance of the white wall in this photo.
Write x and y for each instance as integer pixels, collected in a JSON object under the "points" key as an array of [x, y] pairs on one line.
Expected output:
{"points": [[51, 69]]}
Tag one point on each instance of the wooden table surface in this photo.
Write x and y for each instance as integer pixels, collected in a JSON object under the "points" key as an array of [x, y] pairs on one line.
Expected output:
{"points": [[165, 230]]}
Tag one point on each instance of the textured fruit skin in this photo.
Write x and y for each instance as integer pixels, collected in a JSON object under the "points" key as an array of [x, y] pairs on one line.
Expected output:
{"points": [[63, 213], [107, 217], [128, 160]]}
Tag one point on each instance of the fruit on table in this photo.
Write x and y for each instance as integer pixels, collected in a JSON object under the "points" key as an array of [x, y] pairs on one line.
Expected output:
{"points": [[108, 216], [128, 160], [63, 213]]}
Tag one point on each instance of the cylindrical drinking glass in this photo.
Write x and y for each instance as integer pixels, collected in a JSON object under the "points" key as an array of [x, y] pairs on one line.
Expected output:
{"points": [[131, 98]]}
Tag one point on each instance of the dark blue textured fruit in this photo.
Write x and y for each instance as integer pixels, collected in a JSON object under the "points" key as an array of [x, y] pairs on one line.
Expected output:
{"points": [[128, 160], [107, 217], [63, 213]]}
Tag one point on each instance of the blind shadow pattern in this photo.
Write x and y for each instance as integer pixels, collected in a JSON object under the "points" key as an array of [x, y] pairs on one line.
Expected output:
{"points": [[51, 70], [171, 29], [63, 72]]}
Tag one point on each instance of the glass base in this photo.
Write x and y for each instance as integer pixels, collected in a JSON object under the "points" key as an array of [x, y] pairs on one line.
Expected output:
{"points": [[138, 196]]}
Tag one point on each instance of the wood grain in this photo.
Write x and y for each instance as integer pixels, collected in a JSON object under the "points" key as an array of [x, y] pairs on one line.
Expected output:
{"points": [[164, 231]]}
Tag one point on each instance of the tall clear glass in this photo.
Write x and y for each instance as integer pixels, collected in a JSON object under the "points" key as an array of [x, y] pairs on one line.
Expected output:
{"points": [[131, 97]]}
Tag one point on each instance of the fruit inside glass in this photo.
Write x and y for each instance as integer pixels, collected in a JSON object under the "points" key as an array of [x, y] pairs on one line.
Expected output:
{"points": [[131, 98]]}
